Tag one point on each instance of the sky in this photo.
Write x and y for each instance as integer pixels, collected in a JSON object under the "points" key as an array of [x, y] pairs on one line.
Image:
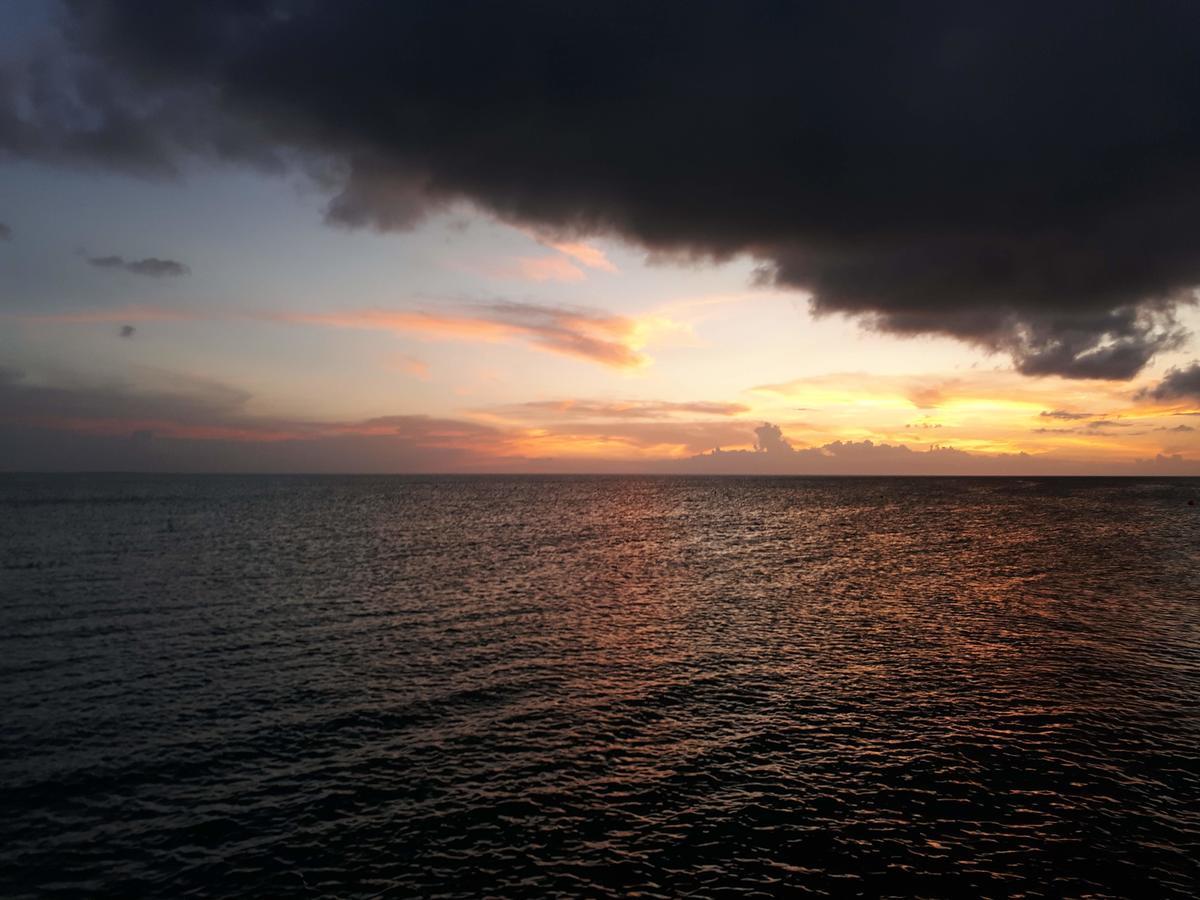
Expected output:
{"points": [[698, 237]]}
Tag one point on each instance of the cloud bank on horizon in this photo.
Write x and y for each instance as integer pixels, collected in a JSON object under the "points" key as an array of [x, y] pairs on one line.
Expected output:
{"points": [[1021, 176], [197, 425]]}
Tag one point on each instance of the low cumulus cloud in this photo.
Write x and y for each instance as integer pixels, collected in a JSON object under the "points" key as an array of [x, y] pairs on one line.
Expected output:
{"points": [[1014, 175], [150, 266], [195, 425], [769, 439], [773, 454], [184, 424]]}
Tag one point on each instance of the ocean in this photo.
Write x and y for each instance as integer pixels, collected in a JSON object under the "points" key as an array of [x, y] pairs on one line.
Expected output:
{"points": [[598, 686]]}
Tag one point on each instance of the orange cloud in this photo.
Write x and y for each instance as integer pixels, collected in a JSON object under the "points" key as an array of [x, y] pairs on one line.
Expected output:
{"points": [[532, 268], [625, 440], [585, 254], [979, 411], [1003, 391], [528, 268], [547, 268], [626, 409], [555, 435], [597, 337]]}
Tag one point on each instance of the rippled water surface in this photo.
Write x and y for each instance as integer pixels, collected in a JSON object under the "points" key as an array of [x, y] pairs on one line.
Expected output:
{"points": [[366, 687]]}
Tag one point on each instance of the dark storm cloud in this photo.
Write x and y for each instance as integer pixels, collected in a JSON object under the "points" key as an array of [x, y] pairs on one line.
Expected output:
{"points": [[1177, 384], [151, 266], [1022, 176]]}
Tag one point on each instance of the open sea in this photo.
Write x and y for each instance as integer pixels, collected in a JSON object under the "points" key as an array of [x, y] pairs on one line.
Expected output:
{"points": [[598, 686]]}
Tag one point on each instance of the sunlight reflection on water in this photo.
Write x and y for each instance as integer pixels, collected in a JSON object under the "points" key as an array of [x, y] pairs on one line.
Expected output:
{"points": [[593, 685]]}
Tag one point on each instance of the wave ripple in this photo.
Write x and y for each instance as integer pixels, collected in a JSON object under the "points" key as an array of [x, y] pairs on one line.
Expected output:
{"points": [[378, 687]]}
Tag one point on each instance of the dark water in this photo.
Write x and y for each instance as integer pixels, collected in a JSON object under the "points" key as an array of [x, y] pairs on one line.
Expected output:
{"points": [[532, 687]]}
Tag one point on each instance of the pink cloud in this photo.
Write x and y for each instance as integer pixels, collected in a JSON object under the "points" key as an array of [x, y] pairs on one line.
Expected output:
{"points": [[596, 337], [586, 254], [547, 268], [531, 268], [409, 365], [626, 409]]}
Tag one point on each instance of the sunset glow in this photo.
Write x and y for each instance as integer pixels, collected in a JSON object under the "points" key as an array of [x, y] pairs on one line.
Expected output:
{"points": [[468, 449], [626, 371], [217, 315]]}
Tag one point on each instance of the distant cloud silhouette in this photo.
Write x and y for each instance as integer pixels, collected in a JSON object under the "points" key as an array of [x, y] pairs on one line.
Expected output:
{"points": [[151, 266], [770, 439], [1177, 384], [773, 455], [1063, 414], [184, 424], [1099, 427]]}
